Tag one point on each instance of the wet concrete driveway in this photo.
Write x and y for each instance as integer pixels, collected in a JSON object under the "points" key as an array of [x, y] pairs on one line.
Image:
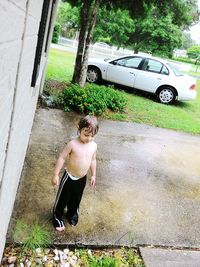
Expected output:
{"points": [[147, 191]]}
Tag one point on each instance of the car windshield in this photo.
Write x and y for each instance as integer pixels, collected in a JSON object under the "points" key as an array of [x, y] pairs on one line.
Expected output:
{"points": [[176, 71]]}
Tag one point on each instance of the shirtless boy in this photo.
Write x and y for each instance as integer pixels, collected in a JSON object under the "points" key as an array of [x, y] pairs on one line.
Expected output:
{"points": [[80, 156]]}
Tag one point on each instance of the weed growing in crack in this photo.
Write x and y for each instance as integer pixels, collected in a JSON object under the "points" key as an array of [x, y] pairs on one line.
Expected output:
{"points": [[32, 237]]}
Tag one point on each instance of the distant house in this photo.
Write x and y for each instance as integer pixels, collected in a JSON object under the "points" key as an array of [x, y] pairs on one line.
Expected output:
{"points": [[180, 53], [26, 32]]}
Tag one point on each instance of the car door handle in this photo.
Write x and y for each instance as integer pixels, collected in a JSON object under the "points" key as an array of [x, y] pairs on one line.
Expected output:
{"points": [[159, 78], [132, 73]]}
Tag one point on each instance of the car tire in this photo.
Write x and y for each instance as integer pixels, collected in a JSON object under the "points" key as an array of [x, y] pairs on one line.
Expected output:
{"points": [[93, 75], [166, 95]]}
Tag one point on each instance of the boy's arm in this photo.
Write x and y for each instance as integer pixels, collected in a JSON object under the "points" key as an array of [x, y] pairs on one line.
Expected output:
{"points": [[59, 164], [93, 170]]}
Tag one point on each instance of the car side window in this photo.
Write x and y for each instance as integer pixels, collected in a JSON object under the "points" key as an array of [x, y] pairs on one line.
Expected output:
{"points": [[155, 66], [129, 62], [164, 70]]}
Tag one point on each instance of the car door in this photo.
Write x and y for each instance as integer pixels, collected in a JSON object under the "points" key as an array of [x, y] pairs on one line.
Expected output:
{"points": [[152, 75], [123, 70]]}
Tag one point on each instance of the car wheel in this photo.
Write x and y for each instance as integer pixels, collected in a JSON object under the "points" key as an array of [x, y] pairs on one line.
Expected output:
{"points": [[166, 95], [93, 75]]}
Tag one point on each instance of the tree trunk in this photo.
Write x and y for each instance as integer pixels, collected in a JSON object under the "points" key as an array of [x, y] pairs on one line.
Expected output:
{"points": [[136, 48], [87, 43], [85, 35], [81, 42]]}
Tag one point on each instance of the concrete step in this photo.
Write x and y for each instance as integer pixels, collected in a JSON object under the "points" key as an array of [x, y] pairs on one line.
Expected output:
{"points": [[161, 257]]}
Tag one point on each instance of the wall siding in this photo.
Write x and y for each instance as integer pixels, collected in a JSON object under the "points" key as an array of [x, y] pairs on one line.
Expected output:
{"points": [[19, 23]]}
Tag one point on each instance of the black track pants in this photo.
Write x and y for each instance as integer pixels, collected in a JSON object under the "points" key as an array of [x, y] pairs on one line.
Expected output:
{"points": [[69, 195]]}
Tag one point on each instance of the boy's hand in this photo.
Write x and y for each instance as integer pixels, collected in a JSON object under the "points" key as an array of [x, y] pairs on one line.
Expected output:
{"points": [[55, 181], [93, 181]]}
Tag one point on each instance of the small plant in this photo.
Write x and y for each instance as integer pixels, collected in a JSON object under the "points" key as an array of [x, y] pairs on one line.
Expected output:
{"points": [[100, 260], [130, 239], [93, 99], [103, 261], [132, 258], [33, 236]]}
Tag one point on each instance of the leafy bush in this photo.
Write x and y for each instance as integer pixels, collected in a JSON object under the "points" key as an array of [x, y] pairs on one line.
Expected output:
{"points": [[193, 51], [56, 33], [92, 99]]}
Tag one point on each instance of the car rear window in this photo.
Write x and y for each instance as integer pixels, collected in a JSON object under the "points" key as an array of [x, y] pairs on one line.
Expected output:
{"points": [[176, 71], [155, 66]]}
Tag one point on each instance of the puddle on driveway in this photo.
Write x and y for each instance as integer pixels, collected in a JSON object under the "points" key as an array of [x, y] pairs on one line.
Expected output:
{"points": [[148, 184]]}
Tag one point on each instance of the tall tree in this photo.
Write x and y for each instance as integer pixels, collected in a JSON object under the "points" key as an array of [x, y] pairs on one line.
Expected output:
{"points": [[187, 40], [88, 18], [89, 10], [69, 19], [155, 34], [113, 26]]}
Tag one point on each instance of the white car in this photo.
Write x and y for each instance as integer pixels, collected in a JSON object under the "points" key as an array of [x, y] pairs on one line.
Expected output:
{"points": [[102, 44], [144, 73]]}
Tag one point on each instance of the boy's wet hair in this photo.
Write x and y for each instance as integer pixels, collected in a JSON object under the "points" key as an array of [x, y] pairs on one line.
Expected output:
{"points": [[89, 122]]}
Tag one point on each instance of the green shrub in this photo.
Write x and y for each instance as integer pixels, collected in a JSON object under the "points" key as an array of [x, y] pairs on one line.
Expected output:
{"points": [[193, 51], [92, 99], [56, 33]]}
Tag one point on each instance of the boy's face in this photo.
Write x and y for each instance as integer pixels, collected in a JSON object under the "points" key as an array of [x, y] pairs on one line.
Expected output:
{"points": [[85, 135]]}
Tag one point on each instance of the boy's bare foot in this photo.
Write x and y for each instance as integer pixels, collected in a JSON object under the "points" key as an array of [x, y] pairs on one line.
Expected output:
{"points": [[58, 224], [60, 229]]}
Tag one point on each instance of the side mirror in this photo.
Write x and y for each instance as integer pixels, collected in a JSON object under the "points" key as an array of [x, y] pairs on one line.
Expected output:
{"points": [[114, 62]]}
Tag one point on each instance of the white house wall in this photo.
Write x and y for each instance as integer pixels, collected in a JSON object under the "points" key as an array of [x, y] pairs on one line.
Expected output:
{"points": [[8, 69], [19, 24]]}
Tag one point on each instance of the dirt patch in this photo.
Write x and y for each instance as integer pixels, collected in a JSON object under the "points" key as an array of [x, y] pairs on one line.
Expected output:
{"points": [[55, 85]]}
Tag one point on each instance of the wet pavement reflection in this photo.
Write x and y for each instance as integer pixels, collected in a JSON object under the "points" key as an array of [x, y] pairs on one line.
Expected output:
{"points": [[147, 191]]}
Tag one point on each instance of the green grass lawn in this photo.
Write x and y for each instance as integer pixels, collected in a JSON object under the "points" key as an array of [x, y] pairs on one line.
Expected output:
{"points": [[183, 116], [60, 65]]}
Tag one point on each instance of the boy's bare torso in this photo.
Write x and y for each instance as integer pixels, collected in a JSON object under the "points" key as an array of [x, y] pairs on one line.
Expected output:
{"points": [[80, 157]]}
